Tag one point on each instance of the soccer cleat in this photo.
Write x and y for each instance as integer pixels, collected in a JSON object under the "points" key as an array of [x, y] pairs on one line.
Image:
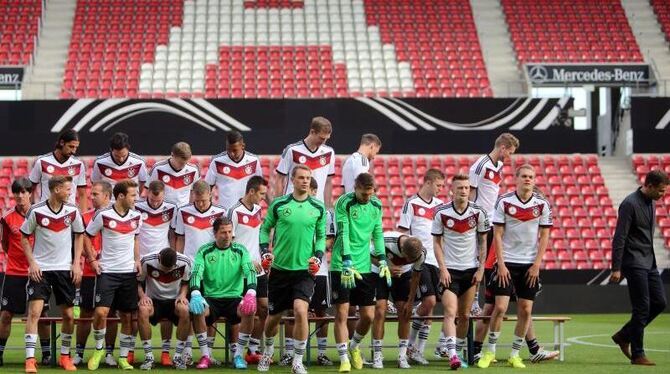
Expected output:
{"points": [[188, 358], [252, 357], [148, 364], [264, 363], [356, 358], [65, 362], [390, 308], [441, 352], [403, 364], [204, 363], [110, 360], [543, 355], [286, 359], [454, 362], [46, 359], [323, 360], [464, 362], [345, 367], [124, 364], [214, 362], [77, 360], [486, 359], [516, 362], [239, 363], [417, 356], [31, 365], [131, 357], [95, 359], [298, 368], [378, 361], [165, 359], [179, 364]]}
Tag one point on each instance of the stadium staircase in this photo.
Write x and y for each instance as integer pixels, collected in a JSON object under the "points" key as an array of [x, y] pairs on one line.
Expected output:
{"points": [[649, 32]]}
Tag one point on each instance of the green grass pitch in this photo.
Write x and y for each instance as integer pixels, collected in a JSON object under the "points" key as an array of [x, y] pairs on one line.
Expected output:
{"points": [[590, 350]]}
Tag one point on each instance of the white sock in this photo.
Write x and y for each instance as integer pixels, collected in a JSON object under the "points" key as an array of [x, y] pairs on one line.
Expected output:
{"points": [[202, 343], [269, 346], [254, 345], [65, 343], [493, 340], [377, 345], [442, 342], [517, 343], [423, 338], [342, 352], [451, 345], [179, 348], [402, 349], [289, 347], [322, 345], [31, 343], [242, 342], [356, 340], [125, 342], [148, 350], [414, 331], [99, 337], [300, 346], [460, 344], [188, 349]]}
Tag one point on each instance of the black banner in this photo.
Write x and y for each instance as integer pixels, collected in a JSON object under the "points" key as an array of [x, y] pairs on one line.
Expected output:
{"points": [[409, 126], [650, 120], [581, 74], [11, 77]]}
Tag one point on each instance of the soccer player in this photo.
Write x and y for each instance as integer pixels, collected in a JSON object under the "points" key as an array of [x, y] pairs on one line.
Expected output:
{"points": [[165, 275], [56, 225], [246, 219], [299, 222], [359, 161], [230, 171], [177, 174], [16, 272], [119, 164], [406, 255], [417, 219], [157, 215], [101, 195], [62, 162], [118, 267], [316, 155], [358, 217], [459, 228], [220, 271], [519, 218]]}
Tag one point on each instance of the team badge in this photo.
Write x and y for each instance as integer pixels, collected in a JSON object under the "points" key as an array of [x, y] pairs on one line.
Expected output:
{"points": [[512, 210], [4, 301], [245, 219], [155, 274], [422, 211], [97, 298], [145, 216], [70, 171], [491, 174], [450, 223], [133, 224], [108, 172], [226, 170], [424, 288], [302, 159], [166, 179], [131, 173], [31, 290], [322, 161], [211, 259], [187, 179], [248, 170], [536, 211], [472, 222], [165, 216], [354, 214], [112, 224], [45, 221], [190, 219], [67, 221], [176, 274], [50, 169], [211, 220]]}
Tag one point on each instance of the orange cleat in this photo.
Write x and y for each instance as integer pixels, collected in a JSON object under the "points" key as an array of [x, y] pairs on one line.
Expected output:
{"points": [[66, 363], [31, 365], [131, 357], [166, 360]]}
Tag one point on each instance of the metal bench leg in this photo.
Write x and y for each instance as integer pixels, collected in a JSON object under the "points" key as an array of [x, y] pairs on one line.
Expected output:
{"points": [[471, 343], [281, 339], [53, 343], [561, 337], [556, 337]]}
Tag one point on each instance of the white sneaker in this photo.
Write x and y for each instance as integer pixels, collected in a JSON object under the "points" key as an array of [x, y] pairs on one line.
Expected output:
{"points": [[77, 360], [417, 357], [541, 355], [264, 363], [378, 361], [110, 360], [298, 368], [403, 364], [188, 358]]}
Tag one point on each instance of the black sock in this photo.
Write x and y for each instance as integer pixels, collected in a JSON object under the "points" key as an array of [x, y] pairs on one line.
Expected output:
{"points": [[79, 349], [477, 347], [109, 348], [46, 347], [533, 346], [3, 343]]}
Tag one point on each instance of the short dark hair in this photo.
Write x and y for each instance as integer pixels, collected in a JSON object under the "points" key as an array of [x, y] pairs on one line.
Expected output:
{"points": [[22, 184], [433, 174], [67, 136], [221, 221], [122, 187], [313, 184], [58, 180], [156, 187], [167, 257], [255, 183], [233, 137], [368, 139], [106, 187], [201, 187], [365, 180], [321, 125], [656, 178], [412, 247], [119, 140]]}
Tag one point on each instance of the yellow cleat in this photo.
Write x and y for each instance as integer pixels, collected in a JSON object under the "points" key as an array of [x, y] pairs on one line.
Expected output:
{"points": [[486, 359], [94, 361], [124, 364], [345, 367], [516, 362], [356, 358]]}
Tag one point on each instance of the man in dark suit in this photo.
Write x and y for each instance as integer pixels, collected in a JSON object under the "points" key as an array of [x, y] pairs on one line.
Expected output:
{"points": [[633, 258]]}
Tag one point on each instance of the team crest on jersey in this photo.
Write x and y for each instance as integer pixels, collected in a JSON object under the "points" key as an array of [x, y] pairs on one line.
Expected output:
{"points": [[302, 159], [323, 161], [144, 216], [536, 211], [226, 170], [155, 274], [112, 224], [211, 220], [131, 172], [187, 179], [472, 222], [211, 259], [512, 210], [245, 219], [67, 221], [450, 223], [422, 211], [45, 221], [108, 172], [4, 301], [133, 224], [50, 169], [166, 179], [165, 216], [71, 171], [248, 170], [190, 219]]}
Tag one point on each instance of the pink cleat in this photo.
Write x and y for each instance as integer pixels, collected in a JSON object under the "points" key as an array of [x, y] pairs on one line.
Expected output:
{"points": [[454, 362], [204, 363]]}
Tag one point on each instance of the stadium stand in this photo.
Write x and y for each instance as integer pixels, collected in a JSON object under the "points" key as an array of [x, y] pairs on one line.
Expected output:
{"points": [[642, 164], [584, 218], [274, 48], [19, 25], [570, 31], [662, 10]]}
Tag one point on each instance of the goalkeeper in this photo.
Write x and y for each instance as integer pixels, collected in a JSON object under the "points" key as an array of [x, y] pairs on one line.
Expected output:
{"points": [[219, 271], [299, 240], [358, 216]]}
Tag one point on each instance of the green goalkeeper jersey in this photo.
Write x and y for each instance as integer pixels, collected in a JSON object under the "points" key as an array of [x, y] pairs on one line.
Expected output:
{"points": [[300, 231], [357, 224], [220, 272]]}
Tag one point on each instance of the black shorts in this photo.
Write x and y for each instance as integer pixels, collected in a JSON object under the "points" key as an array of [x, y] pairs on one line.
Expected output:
{"points": [[489, 289], [118, 290], [87, 293], [321, 298], [518, 283], [382, 289], [461, 280], [14, 294], [430, 282], [163, 309], [400, 286], [59, 282], [284, 286], [223, 307], [262, 286], [361, 295]]}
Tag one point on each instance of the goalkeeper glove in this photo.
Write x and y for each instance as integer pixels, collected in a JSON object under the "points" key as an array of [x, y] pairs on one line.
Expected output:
{"points": [[198, 303], [385, 272], [349, 274], [266, 261], [314, 266], [248, 304]]}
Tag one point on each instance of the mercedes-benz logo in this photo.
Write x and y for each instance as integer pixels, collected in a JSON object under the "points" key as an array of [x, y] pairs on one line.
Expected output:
{"points": [[538, 74]]}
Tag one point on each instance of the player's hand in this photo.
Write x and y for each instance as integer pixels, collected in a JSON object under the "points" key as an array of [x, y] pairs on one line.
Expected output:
{"points": [[477, 278], [445, 277], [181, 300], [314, 266], [95, 265], [34, 272], [198, 303], [266, 261], [146, 301], [406, 310], [258, 267], [615, 277], [384, 272], [75, 274], [533, 275], [503, 276], [349, 274], [248, 303], [138, 268]]}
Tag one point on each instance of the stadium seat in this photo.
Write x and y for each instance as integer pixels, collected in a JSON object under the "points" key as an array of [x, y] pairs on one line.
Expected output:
{"points": [[18, 30], [641, 164]]}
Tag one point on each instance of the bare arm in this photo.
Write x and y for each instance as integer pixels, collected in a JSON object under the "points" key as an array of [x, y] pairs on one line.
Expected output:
{"points": [[403, 230], [179, 243], [76, 267], [33, 270], [280, 183], [83, 201], [503, 273], [473, 193], [328, 192]]}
